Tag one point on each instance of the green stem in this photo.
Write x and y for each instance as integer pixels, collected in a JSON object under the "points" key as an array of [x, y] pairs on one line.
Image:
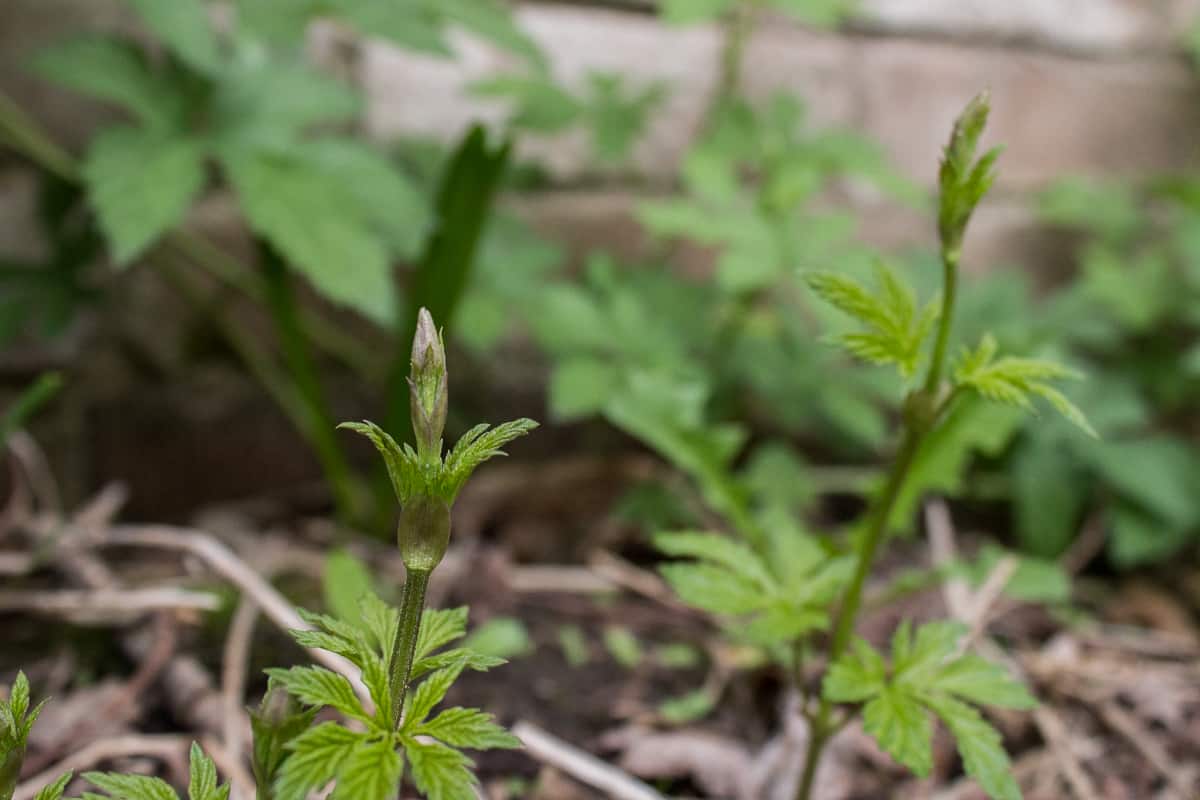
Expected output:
{"points": [[738, 28], [950, 258], [412, 605], [319, 423], [822, 728]]}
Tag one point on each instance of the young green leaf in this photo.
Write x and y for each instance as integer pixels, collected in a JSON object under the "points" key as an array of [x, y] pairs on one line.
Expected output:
{"points": [[131, 787], [203, 784], [1012, 381], [896, 720], [429, 693], [316, 686], [980, 746], [371, 772], [439, 771], [895, 329], [315, 758], [928, 674], [476, 446], [467, 727], [55, 790], [720, 551]]}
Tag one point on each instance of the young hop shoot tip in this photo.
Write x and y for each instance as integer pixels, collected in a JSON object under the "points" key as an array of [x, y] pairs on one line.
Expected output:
{"points": [[426, 482]]}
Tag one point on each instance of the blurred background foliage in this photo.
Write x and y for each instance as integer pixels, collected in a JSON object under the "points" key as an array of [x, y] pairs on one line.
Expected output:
{"points": [[723, 375]]}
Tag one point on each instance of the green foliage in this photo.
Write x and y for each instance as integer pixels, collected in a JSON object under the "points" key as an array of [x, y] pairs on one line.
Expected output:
{"points": [[500, 637], [614, 114], [369, 763], [928, 674], [963, 180], [769, 599], [412, 478], [345, 580], [1012, 380], [16, 721], [895, 329], [202, 784]]}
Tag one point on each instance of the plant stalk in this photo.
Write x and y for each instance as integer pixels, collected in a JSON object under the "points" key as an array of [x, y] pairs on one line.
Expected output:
{"points": [[319, 424], [915, 429], [950, 259], [412, 606], [821, 729]]}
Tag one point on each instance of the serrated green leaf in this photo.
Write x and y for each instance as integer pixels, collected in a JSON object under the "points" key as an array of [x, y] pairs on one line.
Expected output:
{"points": [[202, 784], [978, 680], [371, 772], [1011, 380], [184, 26], [980, 746], [316, 686], [131, 787], [721, 551], [440, 627], [429, 693], [476, 446], [115, 72], [141, 184], [468, 727], [469, 658], [917, 657], [18, 699], [713, 588], [902, 727], [278, 720], [440, 772], [316, 758], [858, 675], [55, 790], [302, 212], [401, 462]]}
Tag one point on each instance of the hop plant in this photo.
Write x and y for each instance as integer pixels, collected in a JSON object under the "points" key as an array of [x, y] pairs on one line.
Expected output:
{"points": [[394, 647]]}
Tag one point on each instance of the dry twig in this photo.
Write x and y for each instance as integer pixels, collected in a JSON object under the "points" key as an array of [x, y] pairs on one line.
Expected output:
{"points": [[163, 746], [581, 765]]}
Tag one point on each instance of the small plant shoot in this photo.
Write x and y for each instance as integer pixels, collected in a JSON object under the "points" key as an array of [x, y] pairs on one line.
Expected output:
{"points": [[782, 587]]}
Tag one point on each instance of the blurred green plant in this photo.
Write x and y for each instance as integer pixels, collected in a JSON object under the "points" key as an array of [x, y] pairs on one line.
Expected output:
{"points": [[775, 586]]}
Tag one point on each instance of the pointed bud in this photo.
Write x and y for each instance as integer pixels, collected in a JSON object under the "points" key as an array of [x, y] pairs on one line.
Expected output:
{"points": [[424, 532], [428, 386]]}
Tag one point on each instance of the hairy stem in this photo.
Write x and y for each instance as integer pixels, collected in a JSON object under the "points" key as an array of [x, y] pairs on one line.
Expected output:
{"points": [[412, 605]]}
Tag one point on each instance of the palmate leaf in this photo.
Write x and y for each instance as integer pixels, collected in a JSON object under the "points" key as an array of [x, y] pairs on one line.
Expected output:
{"points": [[1014, 381], [184, 26], [141, 183], [305, 214], [929, 675], [895, 329]]}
